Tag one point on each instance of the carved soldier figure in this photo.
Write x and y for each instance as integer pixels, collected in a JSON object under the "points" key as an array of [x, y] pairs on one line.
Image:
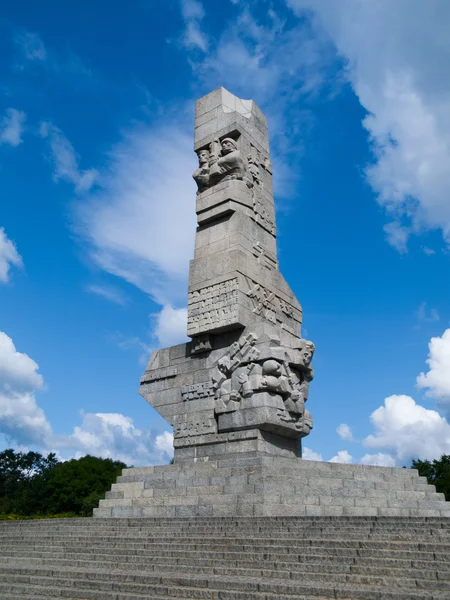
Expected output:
{"points": [[201, 175], [225, 161]]}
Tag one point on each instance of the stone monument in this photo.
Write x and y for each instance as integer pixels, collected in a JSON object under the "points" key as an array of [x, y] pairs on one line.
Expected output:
{"points": [[241, 384], [236, 394]]}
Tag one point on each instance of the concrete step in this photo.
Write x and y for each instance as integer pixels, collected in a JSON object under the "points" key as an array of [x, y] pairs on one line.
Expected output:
{"points": [[104, 585], [268, 568]]}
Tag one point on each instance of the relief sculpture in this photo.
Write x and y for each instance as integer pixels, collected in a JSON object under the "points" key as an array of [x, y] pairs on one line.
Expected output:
{"points": [[267, 380]]}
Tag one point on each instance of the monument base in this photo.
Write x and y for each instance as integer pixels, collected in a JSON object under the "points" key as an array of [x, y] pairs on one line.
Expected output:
{"points": [[253, 484], [252, 442]]}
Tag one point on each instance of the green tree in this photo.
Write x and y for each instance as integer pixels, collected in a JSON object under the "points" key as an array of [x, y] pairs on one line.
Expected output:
{"points": [[78, 484], [436, 472], [23, 480]]}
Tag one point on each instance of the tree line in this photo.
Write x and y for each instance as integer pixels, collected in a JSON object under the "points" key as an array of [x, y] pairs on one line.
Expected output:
{"points": [[32, 484]]}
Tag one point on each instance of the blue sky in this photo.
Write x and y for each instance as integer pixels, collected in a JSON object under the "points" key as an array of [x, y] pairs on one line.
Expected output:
{"points": [[97, 210]]}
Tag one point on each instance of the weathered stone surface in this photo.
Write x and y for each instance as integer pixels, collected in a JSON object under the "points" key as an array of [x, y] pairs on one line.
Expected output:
{"points": [[247, 367]]}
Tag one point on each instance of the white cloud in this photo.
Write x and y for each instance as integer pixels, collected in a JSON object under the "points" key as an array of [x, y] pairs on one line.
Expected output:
{"points": [[344, 432], [140, 224], [308, 454], [64, 159], [109, 435], [378, 460], [342, 457], [171, 325], [21, 419], [437, 380], [111, 293], [24, 423], [193, 14], [397, 236], [407, 430], [164, 443], [404, 86], [8, 256], [12, 127], [18, 372], [31, 46]]}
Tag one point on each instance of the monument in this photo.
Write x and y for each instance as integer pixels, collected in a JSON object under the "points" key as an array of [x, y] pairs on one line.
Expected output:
{"points": [[241, 384], [236, 393]]}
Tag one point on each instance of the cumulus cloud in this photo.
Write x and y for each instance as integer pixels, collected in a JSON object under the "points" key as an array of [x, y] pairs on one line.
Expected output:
{"points": [[193, 14], [140, 223], [8, 256], [378, 460], [164, 443], [342, 457], [397, 60], [12, 127], [24, 423], [171, 325], [109, 435], [18, 371], [308, 454], [64, 159], [21, 419], [437, 379], [408, 430], [344, 432]]}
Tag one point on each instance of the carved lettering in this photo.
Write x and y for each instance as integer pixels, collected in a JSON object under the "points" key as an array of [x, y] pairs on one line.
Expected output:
{"points": [[213, 307], [157, 374], [195, 425], [197, 391]]}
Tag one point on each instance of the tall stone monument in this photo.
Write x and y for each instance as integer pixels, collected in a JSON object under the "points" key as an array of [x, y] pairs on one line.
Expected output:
{"points": [[236, 393], [241, 384]]}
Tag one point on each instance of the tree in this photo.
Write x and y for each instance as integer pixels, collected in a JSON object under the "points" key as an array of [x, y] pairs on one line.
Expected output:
{"points": [[78, 484], [33, 484], [436, 472], [23, 479]]}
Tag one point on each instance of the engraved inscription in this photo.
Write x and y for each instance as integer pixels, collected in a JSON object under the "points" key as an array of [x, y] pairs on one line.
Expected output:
{"points": [[195, 425], [157, 374], [213, 306], [197, 391]]}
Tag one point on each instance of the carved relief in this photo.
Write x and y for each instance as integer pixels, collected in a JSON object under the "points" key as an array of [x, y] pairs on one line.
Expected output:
{"points": [[220, 161], [264, 257], [247, 371], [201, 175], [213, 306], [273, 308]]}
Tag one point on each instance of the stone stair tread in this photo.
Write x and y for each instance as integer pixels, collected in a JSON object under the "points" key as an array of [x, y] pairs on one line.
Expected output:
{"points": [[254, 585], [234, 558]]}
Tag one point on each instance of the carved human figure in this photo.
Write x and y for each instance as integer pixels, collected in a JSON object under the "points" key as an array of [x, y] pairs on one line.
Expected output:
{"points": [[306, 351], [253, 169], [201, 175], [225, 162]]}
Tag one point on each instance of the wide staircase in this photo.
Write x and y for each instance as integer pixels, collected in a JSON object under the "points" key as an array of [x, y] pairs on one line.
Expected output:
{"points": [[256, 558]]}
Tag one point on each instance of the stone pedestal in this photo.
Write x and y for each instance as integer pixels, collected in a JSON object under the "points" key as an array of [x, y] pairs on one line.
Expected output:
{"points": [[235, 395]]}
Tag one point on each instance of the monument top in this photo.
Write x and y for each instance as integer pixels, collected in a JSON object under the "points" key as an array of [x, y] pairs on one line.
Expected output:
{"points": [[220, 110], [242, 382]]}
